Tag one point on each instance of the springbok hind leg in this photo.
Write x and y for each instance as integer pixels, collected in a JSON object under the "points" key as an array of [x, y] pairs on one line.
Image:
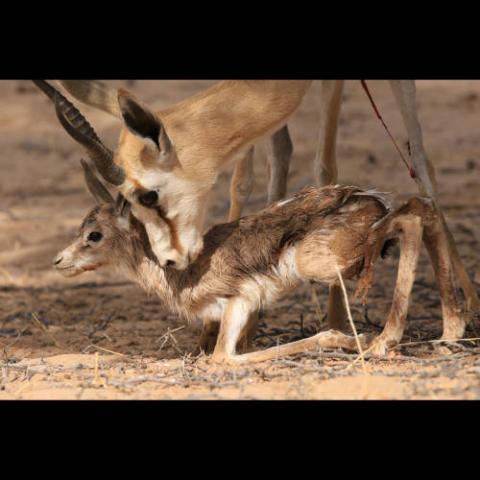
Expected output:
{"points": [[241, 185], [405, 94], [234, 321]]}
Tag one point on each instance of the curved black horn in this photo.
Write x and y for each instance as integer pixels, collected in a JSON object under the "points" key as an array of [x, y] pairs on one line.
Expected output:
{"points": [[81, 131]]}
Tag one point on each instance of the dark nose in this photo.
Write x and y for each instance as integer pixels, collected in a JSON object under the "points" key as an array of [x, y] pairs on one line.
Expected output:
{"points": [[57, 260], [170, 263]]}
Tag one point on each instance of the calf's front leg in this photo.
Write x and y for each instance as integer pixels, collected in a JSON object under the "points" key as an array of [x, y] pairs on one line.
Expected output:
{"points": [[235, 319]]}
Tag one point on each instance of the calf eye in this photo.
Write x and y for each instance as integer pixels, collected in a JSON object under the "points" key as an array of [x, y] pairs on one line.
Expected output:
{"points": [[148, 199], [95, 237]]}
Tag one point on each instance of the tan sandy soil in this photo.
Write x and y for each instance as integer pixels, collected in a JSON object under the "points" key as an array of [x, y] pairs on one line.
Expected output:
{"points": [[100, 337]]}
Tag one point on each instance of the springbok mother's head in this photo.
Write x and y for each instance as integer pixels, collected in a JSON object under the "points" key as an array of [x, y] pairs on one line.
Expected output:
{"points": [[144, 168]]}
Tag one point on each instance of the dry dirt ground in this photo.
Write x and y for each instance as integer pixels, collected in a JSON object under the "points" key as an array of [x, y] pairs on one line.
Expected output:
{"points": [[98, 336]]}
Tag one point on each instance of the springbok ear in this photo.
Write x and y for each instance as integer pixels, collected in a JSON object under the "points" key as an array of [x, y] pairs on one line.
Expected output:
{"points": [[96, 187], [141, 121]]}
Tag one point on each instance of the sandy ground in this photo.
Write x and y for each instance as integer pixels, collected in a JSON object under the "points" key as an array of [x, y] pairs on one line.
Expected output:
{"points": [[100, 337]]}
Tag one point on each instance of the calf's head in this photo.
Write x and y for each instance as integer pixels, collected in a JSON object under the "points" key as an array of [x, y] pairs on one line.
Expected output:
{"points": [[103, 237]]}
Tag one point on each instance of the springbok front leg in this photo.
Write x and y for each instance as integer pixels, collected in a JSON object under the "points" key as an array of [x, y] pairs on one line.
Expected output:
{"points": [[325, 163], [405, 94], [241, 185], [279, 152], [326, 173], [234, 321]]}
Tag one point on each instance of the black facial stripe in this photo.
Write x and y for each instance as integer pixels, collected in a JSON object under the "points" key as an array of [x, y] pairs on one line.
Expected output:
{"points": [[161, 212]]}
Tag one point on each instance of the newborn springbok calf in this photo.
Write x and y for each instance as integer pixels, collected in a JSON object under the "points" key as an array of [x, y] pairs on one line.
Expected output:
{"points": [[250, 263]]}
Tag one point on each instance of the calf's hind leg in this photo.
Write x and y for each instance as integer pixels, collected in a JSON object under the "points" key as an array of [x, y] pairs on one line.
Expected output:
{"points": [[410, 229], [415, 221], [436, 240]]}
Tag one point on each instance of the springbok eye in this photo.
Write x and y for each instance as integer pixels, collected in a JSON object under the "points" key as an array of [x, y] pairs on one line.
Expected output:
{"points": [[95, 237], [148, 199]]}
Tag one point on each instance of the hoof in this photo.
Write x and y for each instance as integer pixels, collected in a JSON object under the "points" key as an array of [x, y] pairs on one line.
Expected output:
{"points": [[442, 350], [379, 346], [221, 360], [450, 337], [378, 349]]}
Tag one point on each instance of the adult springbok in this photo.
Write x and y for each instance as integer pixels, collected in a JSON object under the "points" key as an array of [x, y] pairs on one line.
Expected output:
{"points": [[317, 235], [168, 161]]}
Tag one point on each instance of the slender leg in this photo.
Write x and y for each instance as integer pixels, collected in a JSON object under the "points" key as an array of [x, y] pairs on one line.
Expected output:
{"points": [[208, 337], [235, 319], [328, 339], [410, 227], [325, 164], [469, 290], [279, 153], [248, 333], [437, 245], [241, 185], [405, 94], [210, 331], [336, 311], [325, 173], [240, 190]]}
